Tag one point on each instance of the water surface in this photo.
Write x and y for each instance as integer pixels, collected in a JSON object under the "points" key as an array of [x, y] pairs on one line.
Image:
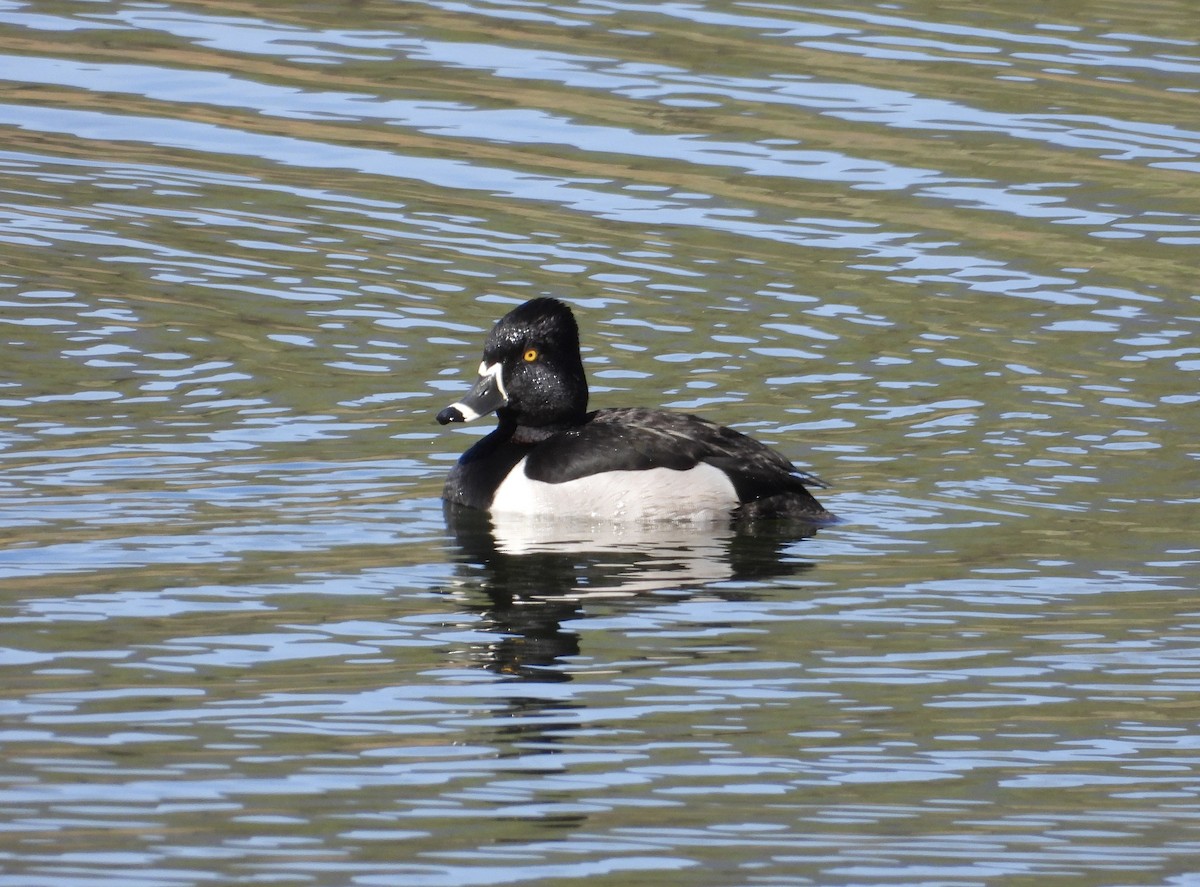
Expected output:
{"points": [[943, 255]]}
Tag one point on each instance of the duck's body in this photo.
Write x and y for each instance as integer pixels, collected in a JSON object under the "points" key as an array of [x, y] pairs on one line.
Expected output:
{"points": [[550, 457]]}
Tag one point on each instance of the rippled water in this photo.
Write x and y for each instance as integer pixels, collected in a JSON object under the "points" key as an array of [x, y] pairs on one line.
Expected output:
{"points": [[944, 255]]}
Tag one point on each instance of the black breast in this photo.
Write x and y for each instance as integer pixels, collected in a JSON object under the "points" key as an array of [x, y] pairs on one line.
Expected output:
{"points": [[481, 470]]}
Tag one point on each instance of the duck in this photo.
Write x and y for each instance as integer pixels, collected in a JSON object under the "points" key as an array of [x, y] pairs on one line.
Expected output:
{"points": [[549, 457]]}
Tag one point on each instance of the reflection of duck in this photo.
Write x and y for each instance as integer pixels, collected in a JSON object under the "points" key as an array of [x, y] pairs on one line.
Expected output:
{"points": [[536, 575], [550, 457], [535, 559]]}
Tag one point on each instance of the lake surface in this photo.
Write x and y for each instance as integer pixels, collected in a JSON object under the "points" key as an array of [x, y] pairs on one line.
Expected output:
{"points": [[943, 255]]}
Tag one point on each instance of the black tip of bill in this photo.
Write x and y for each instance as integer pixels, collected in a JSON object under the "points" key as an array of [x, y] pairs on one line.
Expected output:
{"points": [[450, 414]]}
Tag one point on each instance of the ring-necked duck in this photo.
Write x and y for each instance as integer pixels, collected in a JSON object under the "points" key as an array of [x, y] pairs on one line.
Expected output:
{"points": [[550, 457]]}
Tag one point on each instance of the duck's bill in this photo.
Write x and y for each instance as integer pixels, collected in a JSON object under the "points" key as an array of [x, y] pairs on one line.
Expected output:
{"points": [[487, 396]]}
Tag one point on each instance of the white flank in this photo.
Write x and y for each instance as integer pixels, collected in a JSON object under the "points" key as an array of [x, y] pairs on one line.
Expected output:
{"points": [[703, 493]]}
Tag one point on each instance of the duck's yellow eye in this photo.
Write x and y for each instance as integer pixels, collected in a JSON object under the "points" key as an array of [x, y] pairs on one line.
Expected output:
{"points": [[531, 355]]}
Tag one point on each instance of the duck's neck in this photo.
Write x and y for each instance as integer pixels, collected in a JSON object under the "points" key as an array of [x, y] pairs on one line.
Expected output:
{"points": [[535, 434], [520, 430]]}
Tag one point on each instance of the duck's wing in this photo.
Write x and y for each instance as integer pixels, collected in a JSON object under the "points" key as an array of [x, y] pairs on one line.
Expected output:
{"points": [[634, 439]]}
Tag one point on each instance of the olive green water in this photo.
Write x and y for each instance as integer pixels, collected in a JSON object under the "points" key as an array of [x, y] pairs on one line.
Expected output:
{"points": [[944, 255]]}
